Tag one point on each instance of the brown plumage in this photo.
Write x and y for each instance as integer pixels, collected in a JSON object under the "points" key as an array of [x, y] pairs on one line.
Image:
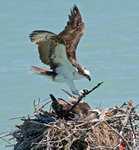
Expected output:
{"points": [[59, 52], [82, 106], [61, 107], [43, 71], [69, 37], [46, 41], [72, 35], [82, 109]]}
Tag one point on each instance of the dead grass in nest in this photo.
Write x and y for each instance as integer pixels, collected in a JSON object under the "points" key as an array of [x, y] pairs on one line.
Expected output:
{"points": [[60, 129], [64, 135]]}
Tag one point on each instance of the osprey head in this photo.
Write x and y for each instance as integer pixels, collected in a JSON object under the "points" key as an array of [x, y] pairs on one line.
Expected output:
{"points": [[86, 74]]}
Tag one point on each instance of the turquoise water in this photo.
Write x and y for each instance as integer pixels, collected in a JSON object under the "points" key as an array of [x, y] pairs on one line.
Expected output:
{"points": [[109, 49]]}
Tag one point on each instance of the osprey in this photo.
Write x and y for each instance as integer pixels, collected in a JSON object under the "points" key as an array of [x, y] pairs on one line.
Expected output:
{"points": [[59, 52]]}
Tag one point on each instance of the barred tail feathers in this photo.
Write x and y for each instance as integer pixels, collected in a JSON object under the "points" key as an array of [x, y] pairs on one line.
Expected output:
{"points": [[47, 73], [38, 70]]}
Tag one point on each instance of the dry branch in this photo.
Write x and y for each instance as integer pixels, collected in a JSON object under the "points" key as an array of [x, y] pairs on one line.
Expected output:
{"points": [[82, 96], [99, 129]]}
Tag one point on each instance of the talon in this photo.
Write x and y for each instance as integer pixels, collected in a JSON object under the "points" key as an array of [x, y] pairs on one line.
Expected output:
{"points": [[82, 93], [85, 91]]}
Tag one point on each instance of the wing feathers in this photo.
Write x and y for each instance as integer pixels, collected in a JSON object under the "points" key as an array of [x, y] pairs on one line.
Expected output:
{"points": [[51, 47], [72, 35], [42, 71], [40, 36]]}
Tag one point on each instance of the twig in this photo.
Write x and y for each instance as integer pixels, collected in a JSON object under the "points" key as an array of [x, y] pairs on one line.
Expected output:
{"points": [[68, 93], [82, 96], [24, 117], [101, 147], [8, 141], [6, 134], [93, 88], [125, 141]]}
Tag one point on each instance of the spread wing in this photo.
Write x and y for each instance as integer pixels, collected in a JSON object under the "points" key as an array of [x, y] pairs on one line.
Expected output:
{"points": [[51, 47], [72, 35]]}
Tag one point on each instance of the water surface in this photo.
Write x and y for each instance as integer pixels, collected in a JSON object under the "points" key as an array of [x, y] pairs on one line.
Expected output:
{"points": [[109, 49]]}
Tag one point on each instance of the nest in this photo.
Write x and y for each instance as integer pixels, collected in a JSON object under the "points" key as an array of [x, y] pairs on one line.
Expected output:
{"points": [[79, 128], [72, 125], [65, 135]]}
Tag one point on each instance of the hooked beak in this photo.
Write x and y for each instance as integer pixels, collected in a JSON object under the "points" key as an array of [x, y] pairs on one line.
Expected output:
{"points": [[89, 78]]}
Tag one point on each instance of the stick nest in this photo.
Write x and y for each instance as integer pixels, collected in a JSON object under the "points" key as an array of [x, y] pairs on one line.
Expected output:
{"points": [[65, 127]]}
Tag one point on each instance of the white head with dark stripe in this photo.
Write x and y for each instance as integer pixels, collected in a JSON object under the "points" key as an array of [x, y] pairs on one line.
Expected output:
{"points": [[58, 50], [86, 74], [82, 73]]}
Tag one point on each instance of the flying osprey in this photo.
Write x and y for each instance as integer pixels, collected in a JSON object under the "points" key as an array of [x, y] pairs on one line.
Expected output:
{"points": [[59, 52]]}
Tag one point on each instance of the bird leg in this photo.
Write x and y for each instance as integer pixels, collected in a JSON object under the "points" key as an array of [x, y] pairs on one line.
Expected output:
{"points": [[82, 96], [74, 91], [83, 93], [72, 86]]}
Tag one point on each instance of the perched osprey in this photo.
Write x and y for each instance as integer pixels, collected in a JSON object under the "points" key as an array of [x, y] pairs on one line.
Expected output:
{"points": [[61, 107], [59, 52]]}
